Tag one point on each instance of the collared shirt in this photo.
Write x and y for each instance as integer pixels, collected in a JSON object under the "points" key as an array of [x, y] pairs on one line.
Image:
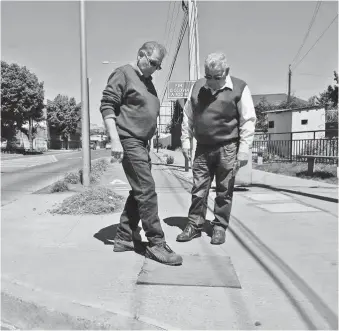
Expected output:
{"points": [[247, 119]]}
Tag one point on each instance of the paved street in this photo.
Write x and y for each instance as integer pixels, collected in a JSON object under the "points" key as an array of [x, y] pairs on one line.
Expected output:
{"points": [[283, 248], [23, 174]]}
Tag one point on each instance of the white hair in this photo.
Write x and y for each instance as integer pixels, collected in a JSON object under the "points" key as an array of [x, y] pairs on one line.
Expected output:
{"points": [[216, 61]]}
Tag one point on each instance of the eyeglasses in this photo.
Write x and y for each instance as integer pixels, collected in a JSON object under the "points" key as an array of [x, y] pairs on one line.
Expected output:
{"points": [[209, 77], [154, 63]]}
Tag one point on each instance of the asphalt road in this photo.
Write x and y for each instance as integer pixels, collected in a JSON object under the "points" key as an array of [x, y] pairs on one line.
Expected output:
{"points": [[25, 174]]}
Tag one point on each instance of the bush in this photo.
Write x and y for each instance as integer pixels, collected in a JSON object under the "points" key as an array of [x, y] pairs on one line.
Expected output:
{"points": [[59, 186], [170, 159], [100, 166], [72, 178], [97, 200]]}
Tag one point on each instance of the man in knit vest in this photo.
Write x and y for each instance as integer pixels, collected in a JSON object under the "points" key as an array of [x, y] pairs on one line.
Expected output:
{"points": [[130, 108], [220, 115]]}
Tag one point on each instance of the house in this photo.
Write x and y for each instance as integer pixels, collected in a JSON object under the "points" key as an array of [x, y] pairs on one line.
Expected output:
{"points": [[285, 126], [299, 120]]}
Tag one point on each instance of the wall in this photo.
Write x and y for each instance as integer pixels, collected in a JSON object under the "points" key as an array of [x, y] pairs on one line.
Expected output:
{"points": [[316, 121], [280, 145]]}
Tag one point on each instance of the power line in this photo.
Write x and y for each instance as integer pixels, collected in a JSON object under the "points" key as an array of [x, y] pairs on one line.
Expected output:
{"points": [[168, 14], [316, 41], [181, 37], [308, 30], [170, 44], [171, 21]]}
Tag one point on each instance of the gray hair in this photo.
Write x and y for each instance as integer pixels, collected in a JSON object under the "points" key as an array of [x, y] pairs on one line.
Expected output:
{"points": [[149, 48], [216, 61]]}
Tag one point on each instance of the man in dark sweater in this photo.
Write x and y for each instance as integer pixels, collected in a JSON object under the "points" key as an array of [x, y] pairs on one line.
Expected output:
{"points": [[130, 108], [220, 115]]}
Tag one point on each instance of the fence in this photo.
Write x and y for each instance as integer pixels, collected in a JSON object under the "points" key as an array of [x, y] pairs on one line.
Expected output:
{"points": [[288, 146]]}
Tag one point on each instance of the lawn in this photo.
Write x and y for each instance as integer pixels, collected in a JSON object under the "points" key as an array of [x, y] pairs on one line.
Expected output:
{"points": [[322, 172]]}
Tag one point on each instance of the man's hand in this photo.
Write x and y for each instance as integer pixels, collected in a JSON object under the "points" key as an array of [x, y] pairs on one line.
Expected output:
{"points": [[117, 151], [187, 153]]}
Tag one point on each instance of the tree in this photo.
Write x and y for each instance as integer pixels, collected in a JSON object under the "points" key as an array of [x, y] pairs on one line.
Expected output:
{"points": [[260, 109], [63, 115], [22, 101], [329, 100], [293, 103]]}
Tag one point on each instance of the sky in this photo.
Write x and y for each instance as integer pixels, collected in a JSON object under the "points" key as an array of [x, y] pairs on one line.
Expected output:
{"points": [[259, 38]]}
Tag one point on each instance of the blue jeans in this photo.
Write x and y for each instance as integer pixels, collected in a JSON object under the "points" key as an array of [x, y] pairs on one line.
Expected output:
{"points": [[142, 202], [210, 161]]}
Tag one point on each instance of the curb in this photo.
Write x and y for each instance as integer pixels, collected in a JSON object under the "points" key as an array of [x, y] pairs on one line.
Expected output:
{"points": [[32, 308]]}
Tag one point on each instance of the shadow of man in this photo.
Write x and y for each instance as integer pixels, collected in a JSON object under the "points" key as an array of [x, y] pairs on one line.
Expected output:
{"points": [[107, 235], [181, 223]]}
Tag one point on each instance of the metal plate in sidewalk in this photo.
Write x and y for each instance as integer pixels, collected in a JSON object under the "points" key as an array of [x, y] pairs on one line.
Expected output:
{"points": [[196, 270], [292, 207]]}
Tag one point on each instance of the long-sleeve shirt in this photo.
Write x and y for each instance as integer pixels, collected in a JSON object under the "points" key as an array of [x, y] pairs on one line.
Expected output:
{"points": [[247, 120], [131, 99]]}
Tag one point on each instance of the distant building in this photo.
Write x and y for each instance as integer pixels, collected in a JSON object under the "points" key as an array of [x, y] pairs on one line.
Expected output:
{"points": [[288, 125], [275, 99], [298, 120]]}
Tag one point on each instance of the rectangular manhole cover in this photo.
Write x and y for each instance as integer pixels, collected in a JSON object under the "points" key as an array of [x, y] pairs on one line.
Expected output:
{"points": [[286, 207], [196, 270]]}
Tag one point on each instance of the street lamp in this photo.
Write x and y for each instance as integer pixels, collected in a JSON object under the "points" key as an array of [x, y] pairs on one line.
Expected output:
{"points": [[86, 166]]}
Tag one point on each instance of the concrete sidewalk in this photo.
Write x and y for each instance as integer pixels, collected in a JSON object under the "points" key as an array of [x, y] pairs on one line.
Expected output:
{"points": [[60, 272]]}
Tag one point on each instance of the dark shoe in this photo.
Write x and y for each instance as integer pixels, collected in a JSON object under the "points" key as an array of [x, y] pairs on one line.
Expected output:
{"points": [[163, 254], [125, 246], [189, 233], [218, 236]]}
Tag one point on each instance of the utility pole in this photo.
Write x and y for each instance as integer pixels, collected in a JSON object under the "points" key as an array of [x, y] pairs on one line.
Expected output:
{"points": [[289, 84], [84, 100], [193, 55]]}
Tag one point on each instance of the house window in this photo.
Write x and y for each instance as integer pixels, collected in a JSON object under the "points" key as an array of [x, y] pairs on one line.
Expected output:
{"points": [[271, 124], [304, 122]]}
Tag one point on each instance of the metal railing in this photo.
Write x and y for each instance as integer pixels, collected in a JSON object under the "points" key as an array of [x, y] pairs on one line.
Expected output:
{"points": [[289, 146]]}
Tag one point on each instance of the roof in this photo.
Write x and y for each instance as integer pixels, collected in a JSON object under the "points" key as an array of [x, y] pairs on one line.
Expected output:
{"points": [[292, 109], [274, 99]]}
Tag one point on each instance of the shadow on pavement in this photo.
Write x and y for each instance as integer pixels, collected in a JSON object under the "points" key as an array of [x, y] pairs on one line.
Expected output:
{"points": [[169, 165], [107, 235], [181, 223], [309, 195]]}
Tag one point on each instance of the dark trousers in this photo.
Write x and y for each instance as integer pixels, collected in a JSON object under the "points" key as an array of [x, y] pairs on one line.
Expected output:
{"points": [[142, 202], [220, 162]]}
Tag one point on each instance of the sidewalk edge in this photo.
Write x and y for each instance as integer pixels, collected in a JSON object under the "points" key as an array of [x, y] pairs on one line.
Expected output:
{"points": [[28, 308]]}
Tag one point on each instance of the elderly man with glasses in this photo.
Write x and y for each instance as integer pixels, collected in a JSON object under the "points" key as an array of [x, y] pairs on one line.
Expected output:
{"points": [[130, 108], [220, 115]]}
